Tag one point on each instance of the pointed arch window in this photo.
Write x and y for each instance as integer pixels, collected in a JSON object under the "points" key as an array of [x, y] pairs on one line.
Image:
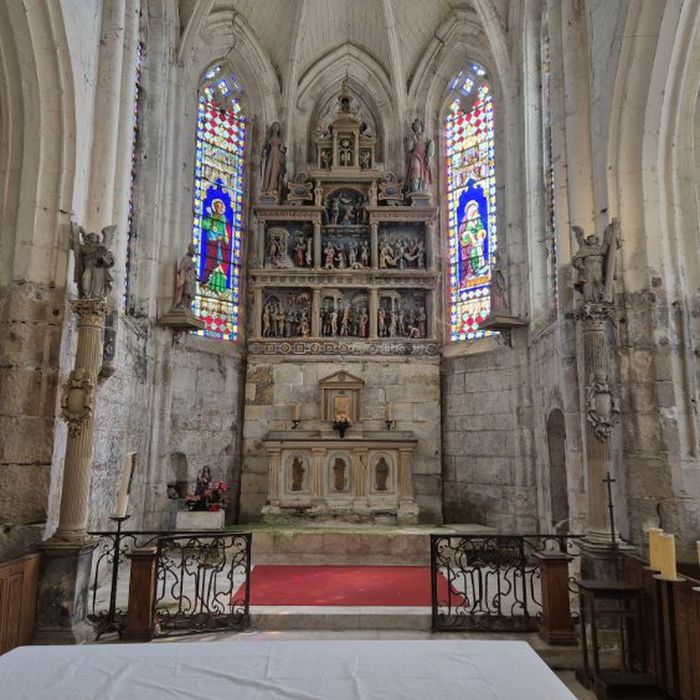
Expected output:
{"points": [[218, 203], [471, 201]]}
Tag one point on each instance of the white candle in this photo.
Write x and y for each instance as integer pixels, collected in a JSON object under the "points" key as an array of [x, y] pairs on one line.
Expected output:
{"points": [[125, 488], [389, 412], [296, 411], [698, 544], [654, 533], [667, 557]]}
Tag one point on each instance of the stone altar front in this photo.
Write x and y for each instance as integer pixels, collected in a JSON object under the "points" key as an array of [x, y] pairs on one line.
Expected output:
{"points": [[316, 475]]}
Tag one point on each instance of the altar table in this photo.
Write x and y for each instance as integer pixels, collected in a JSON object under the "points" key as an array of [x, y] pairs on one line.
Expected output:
{"points": [[261, 670]]}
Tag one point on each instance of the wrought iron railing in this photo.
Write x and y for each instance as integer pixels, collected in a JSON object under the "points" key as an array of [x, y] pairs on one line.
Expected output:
{"points": [[202, 580], [491, 582]]}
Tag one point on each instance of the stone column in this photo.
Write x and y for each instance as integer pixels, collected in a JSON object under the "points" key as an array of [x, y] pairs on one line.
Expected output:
{"points": [[360, 485], [274, 456], [260, 248], [318, 462], [316, 314], [257, 312], [373, 305], [317, 244], [374, 244], [67, 562], [430, 245]]}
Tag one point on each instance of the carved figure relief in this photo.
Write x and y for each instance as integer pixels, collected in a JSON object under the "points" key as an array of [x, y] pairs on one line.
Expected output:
{"points": [[339, 468], [289, 247], [602, 407], [286, 314], [345, 314], [93, 261], [297, 474], [402, 315], [419, 155], [381, 474], [401, 247], [499, 288], [345, 208], [274, 161]]}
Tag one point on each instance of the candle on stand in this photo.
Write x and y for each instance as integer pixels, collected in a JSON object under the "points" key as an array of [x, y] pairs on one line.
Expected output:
{"points": [[667, 557], [125, 488], [654, 533], [698, 544], [296, 411], [389, 412]]}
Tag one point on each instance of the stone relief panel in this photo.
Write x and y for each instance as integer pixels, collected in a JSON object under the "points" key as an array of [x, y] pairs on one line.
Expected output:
{"points": [[345, 207], [286, 313], [345, 313], [382, 474], [402, 314], [339, 474], [297, 474], [289, 245], [402, 246]]}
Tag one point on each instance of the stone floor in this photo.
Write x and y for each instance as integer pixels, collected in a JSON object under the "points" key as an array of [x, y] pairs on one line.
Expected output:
{"points": [[566, 675]]}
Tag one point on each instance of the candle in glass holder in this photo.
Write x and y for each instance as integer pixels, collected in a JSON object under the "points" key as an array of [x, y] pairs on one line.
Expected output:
{"points": [[667, 557], [125, 488], [654, 533], [389, 412], [296, 411]]}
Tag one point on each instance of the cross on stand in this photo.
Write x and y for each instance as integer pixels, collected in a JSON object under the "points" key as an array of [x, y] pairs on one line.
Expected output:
{"points": [[609, 481]]}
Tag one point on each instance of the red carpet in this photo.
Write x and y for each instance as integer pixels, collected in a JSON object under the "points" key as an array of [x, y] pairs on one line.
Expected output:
{"points": [[342, 585]]}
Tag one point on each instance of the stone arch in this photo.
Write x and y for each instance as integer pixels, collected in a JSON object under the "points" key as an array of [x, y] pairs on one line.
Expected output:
{"points": [[558, 480]]}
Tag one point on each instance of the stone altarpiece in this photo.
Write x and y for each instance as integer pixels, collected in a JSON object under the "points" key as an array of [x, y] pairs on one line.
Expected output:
{"points": [[343, 269]]}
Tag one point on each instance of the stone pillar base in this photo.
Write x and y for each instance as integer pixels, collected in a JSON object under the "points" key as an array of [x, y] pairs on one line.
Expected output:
{"points": [[602, 562], [64, 587]]}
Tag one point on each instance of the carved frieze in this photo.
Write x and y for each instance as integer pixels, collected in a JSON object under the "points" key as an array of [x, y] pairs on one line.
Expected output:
{"points": [[376, 348]]}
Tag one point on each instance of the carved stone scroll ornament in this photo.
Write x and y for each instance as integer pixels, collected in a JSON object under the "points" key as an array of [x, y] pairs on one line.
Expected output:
{"points": [[78, 400], [301, 190], [602, 407]]}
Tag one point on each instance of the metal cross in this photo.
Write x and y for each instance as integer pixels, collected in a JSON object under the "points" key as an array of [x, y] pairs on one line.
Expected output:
{"points": [[609, 481]]}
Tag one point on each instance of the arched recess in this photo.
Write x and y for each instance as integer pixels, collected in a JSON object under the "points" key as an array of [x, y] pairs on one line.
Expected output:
{"points": [[558, 482], [321, 82], [36, 173]]}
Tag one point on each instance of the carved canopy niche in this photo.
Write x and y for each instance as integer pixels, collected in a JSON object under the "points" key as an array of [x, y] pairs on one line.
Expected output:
{"points": [[341, 396]]}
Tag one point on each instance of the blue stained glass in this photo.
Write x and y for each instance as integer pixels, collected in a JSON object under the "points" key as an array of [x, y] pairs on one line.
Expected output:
{"points": [[471, 203], [218, 204]]}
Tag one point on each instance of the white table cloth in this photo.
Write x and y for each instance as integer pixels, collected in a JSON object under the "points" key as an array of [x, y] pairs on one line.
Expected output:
{"points": [[303, 670]]}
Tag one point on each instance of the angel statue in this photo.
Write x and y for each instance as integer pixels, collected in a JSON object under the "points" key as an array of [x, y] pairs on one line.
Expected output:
{"points": [[93, 260], [595, 263], [274, 160], [419, 156]]}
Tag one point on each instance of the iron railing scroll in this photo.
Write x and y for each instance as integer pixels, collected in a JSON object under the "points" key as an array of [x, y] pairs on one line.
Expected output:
{"points": [[491, 582]]}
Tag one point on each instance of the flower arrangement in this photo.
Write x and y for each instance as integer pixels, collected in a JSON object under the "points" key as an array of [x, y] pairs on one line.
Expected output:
{"points": [[210, 494], [341, 423]]}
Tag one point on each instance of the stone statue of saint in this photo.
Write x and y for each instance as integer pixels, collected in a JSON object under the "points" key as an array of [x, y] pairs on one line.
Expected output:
{"points": [[499, 290], [339, 474], [274, 160], [93, 261], [419, 151], [381, 474], [595, 263], [185, 280], [297, 474]]}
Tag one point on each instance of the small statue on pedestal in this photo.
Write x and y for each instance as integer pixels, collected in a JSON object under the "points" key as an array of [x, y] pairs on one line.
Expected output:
{"points": [[420, 151], [180, 315], [93, 261], [274, 165], [595, 263]]}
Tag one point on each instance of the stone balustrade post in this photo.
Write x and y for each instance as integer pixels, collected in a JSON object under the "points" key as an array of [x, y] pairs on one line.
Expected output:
{"points": [[140, 615]]}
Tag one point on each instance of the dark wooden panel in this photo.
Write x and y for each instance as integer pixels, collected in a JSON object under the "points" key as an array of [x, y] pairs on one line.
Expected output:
{"points": [[18, 588]]}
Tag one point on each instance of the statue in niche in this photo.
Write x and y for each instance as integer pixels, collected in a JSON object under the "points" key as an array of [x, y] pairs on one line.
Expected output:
{"points": [[93, 261], [304, 326], [278, 248], [401, 319], [303, 256], [286, 317], [297, 474], [346, 150], [381, 474], [364, 254], [402, 252], [420, 151], [339, 467], [318, 194], [595, 263], [274, 161], [185, 280], [329, 256]]}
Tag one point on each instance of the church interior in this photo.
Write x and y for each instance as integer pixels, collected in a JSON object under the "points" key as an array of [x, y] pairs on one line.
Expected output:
{"points": [[364, 329]]}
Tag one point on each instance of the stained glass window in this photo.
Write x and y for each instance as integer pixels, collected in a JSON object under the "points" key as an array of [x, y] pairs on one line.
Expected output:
{"points": [[218, 203], [471, 201]]}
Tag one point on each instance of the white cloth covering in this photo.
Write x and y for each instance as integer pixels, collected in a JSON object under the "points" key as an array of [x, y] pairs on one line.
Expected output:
{"points": [[294, 670]]}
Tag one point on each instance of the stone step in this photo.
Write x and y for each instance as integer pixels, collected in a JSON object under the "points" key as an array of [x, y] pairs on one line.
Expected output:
{"points": [[358, 545]]}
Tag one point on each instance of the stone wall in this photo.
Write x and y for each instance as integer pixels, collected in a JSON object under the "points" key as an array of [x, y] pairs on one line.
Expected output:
{"points": [[487, 463], [411, 385]]}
